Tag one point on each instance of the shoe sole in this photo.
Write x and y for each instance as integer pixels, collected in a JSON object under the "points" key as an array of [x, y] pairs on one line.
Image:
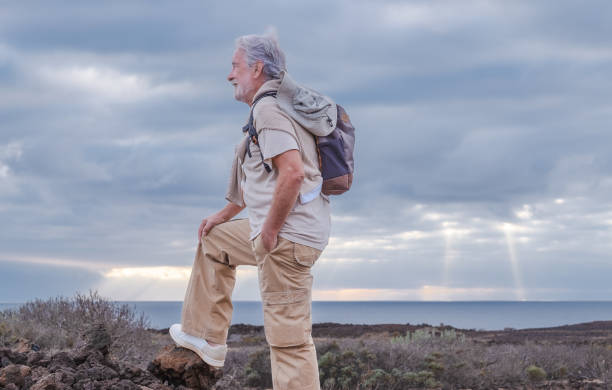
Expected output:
{"points": [[207, 359]]}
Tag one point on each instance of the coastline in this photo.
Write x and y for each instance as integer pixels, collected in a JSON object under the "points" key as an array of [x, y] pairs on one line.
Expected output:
{"points": [[478, 315]]}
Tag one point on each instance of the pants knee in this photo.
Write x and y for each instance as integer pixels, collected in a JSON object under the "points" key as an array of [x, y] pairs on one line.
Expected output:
{"points": [[211, 251]]}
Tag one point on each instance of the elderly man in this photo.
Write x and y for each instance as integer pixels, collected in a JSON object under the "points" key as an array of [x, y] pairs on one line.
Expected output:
{"points": [[277, 177]]}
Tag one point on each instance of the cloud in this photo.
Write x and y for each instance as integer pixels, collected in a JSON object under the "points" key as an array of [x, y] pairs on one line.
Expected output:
{"points": [[157, 273], [24, 281], [111, 84], [482, 156]]}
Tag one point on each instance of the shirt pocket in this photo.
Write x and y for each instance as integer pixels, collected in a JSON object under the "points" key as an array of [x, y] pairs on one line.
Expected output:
{"points": [[305, 255]]}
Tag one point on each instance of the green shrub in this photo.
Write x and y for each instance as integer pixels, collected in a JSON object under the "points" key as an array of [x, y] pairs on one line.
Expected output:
{"points": [[427, 335], [258, 369], [328, 347], [343, 370], [562, 372], [378, 379], [535, 373]]}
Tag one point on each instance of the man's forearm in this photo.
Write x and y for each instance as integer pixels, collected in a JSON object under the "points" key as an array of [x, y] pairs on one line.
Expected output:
{"points": [[229, 211], [285, 194]]}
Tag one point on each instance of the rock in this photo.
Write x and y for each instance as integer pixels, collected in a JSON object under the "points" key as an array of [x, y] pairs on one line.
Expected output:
{"points": [[37, 359], [156, 386], [23, 346], [130, 371], [100, 372], [39, 372], [125, 384], [180, 366], [54, 381], [9, 356], [91, 367], [60, 360], [15, 374]]}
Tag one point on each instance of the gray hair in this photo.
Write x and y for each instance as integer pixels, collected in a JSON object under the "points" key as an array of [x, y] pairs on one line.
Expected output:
{"points": [[264, 48]]}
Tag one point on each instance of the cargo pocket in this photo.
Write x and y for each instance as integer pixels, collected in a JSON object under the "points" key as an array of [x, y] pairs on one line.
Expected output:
{"points": [[287, 320], [305, 255]]}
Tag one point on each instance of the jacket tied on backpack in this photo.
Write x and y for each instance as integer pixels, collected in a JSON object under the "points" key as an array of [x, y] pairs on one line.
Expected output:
{"points": [[313, 119]]}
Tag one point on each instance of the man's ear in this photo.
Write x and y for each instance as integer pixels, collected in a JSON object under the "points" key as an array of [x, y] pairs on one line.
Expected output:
{"points": [[258, 69]]}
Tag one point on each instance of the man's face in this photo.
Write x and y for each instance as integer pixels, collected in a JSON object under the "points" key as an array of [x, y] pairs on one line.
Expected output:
{"points": [[242, 78]]}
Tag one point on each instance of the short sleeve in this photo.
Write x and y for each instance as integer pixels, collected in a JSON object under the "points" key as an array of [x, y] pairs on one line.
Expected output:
{"points": [[275, 142]]}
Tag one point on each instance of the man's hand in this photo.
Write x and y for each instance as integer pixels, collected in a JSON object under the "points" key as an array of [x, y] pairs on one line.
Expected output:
{"points": [[207, 224], [225, 214], [269, 240]]}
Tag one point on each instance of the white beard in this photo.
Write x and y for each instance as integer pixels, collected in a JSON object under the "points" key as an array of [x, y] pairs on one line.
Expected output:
{"points": [[241, 92]]}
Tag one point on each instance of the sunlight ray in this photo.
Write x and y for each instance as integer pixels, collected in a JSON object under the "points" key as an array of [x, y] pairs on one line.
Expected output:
{"points": [[509, 233]]}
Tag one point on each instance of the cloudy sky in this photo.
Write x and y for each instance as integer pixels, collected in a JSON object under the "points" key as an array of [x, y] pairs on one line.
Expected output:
{"points": [[483, 164]]}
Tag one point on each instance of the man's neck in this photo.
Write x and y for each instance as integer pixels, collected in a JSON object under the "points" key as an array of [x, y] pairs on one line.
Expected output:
{"points": [[257, 88]]}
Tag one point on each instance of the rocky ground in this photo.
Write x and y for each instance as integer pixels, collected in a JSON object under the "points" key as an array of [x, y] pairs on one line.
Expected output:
{"points": [[90, 366]]}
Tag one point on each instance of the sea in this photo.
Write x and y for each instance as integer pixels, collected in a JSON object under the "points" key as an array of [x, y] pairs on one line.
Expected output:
{"points": [[478, 315]]}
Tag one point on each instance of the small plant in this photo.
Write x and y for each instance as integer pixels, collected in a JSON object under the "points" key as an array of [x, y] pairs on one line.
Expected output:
{"points": [[418, 335], [344, 370], [535, 373], [258, 370], [378, 379], [420, 379], [561, 372], [433, 363], [429, 334]]}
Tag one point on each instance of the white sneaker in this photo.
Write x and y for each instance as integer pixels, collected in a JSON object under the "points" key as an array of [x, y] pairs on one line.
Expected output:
{"points": [[213, 356]]}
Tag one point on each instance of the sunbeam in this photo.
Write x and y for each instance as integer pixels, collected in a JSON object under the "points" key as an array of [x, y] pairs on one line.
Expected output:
{"points": [[509, 229], [449, 254], [451, 234]]}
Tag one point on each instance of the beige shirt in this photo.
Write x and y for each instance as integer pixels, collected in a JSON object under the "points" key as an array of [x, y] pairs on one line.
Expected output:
{"points": [[308, 223]]}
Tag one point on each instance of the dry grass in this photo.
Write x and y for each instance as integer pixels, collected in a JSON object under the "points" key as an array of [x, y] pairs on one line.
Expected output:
{"points": [[424, 360], [59, 323]]}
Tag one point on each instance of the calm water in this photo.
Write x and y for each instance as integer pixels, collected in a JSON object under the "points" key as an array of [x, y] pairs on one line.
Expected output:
{"points": [[468, 315]]}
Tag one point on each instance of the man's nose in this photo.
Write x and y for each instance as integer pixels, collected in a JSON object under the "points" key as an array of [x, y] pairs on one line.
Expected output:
{"points": [[230, 76]]}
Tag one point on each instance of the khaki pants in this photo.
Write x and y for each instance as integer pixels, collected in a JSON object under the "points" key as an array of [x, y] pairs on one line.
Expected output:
{"points": [[285, 284]]}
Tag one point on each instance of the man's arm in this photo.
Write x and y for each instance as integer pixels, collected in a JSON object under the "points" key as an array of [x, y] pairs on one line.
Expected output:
{"points": [[290, 177], [225, 214]]}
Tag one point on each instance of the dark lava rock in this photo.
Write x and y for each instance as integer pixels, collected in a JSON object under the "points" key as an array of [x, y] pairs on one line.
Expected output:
{"points": [[37, 359], [54, 381], [180, 366], [15, 374], [100, 372], [9, 356], [89, 367], [61, 359], [131, 372], [125, 384]]}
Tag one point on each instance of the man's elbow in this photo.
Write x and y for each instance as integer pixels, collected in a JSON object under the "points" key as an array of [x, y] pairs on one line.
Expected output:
{"points": [[290, 168], [297, 176], [293, 176]]}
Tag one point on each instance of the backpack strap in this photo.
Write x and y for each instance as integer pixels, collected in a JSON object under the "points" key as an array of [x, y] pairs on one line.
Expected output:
{"points": [[253, 131]]}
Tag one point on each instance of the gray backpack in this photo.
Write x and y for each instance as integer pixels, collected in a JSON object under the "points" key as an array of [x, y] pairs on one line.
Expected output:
{"points": [[336, 155], [327, 121]]}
